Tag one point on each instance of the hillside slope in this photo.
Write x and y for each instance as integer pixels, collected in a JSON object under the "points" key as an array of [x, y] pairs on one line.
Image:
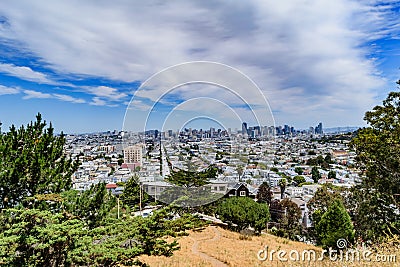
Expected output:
{"points": [[215, 246]]}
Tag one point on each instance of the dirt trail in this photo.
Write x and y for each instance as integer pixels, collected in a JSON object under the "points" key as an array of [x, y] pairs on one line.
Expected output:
{"points": [[215, 262]]}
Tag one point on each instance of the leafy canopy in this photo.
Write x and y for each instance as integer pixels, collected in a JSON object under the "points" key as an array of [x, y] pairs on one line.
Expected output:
{"points": [[377, 148], [335, 224], [243, 212], [32, 161]]}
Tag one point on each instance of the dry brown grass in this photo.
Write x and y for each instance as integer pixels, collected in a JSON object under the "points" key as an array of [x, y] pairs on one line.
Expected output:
{"points": [[234, 250]]}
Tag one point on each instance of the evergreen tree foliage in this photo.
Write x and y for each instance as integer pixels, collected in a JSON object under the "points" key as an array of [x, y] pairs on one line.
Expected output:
{"points": [[243, 212], [299, 179], [91, 206], [131, 194], [315, 175], [334, 224], [377, 147], [332, 175], [32, 161], [264, 193], [299, 170], [191, 189], [192, 178], [31, 237]]}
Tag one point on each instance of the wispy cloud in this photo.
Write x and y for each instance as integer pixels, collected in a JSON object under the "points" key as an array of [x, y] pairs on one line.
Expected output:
{"points": [[106, 92], [4, 90], [69, 98], [306, 56], [31, 94], [96, 101], [26, 73]]}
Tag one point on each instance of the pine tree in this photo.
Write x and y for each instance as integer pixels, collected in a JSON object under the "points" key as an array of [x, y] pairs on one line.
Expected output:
{"points": [[131, 195], [32, 161], [315, 174], [91, 206]]}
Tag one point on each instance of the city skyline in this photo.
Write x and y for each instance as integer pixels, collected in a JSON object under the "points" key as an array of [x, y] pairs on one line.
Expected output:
{"points": [[79, 64]]}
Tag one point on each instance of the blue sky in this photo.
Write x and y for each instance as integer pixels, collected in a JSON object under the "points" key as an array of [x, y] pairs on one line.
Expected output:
{"points": [[79, 63]]}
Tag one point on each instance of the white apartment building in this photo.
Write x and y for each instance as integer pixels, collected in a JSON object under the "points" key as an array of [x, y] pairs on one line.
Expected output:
{"points": [[310, 189], [133, 155]]}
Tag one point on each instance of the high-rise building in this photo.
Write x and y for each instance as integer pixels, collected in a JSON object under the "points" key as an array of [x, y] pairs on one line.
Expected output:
{"points": [[318, 129], [133, 155], [286, 129], [244, 128]]}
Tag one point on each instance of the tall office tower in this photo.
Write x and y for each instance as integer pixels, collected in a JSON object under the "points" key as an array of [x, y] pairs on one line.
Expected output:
{"points": [[318, 129], [278, 130], [286, 129], [244, 128], [257, 129]]}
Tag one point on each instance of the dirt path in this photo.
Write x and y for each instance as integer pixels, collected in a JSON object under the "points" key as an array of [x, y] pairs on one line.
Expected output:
{"points": [[212, 260]]}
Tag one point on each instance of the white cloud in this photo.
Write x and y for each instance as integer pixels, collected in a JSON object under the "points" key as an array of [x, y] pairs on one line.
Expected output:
{"points": [[4, 90], [25, 73], [29, 94], [138, 105], [96, 101], [69, 98], [308, 57], [105, 92]]}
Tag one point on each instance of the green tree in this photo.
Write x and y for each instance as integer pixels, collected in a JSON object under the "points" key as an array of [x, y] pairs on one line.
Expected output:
{"points": [[32, 161], [274, 169], [91, 206], [192, 178], [264, 193], [299, 170], [31, 237], [331, 175], [335, 224], [320, 202], [377, 148], [328, 158], [191, 189], [276, 210], [299, 179], [131, 194], [243, 212], [315, 175], [282, 185], [290, 221]]}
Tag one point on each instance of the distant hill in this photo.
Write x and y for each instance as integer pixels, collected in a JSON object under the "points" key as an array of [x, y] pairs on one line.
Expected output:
{"points": [[342, 129]]}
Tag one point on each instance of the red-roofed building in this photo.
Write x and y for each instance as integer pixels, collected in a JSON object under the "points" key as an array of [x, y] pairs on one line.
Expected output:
{"points": [[111, 186]]}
